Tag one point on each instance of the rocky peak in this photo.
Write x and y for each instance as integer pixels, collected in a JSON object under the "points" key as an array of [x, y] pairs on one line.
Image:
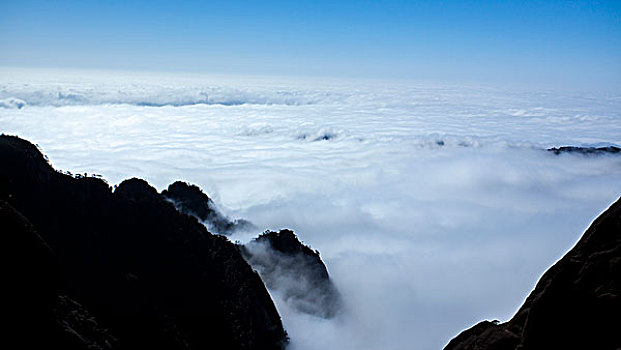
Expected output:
{"points": [[295, 271], [135, 188], [191, 200]]}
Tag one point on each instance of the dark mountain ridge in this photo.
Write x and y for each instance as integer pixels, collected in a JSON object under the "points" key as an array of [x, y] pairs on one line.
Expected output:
{"points": [[145, 275]]}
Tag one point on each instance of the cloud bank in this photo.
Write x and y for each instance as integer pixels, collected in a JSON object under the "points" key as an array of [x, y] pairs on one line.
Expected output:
{"points": [[433, 206]]}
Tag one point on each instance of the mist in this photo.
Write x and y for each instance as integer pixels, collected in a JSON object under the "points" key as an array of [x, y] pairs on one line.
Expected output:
{"points": [[433, 206]]}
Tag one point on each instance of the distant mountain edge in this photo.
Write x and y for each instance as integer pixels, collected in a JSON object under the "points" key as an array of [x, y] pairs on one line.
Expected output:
{"points": [[575, 305], [586, 150]]}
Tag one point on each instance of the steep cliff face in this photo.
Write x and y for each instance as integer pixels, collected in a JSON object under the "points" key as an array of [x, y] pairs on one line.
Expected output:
{"points": [[294, 270], [151, 277], [575, 305]]}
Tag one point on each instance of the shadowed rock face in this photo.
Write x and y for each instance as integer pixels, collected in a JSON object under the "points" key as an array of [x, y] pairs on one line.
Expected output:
{"points": [[36, 316], [594, 151], [190, 200], [575, 305], [294, 270], [147, 275]]}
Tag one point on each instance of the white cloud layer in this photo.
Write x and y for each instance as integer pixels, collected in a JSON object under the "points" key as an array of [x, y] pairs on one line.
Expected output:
{"points": [[433, 206]]}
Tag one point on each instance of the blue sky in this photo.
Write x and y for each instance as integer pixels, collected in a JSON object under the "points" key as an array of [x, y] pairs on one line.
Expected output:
{"points": [[576, 43]]}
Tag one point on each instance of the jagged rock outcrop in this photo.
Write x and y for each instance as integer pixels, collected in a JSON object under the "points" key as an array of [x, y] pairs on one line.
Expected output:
{"points": [[294, 270], [148, 276], [285, 264], [575, 305], [589, 151], [190, 200]]}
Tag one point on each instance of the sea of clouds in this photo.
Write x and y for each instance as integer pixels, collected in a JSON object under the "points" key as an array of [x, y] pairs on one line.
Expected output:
{"points": [[434, 206]]}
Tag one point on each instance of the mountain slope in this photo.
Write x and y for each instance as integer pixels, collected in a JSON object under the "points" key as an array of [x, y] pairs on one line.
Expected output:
{"points": [[575, 305], [155, 278]]}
